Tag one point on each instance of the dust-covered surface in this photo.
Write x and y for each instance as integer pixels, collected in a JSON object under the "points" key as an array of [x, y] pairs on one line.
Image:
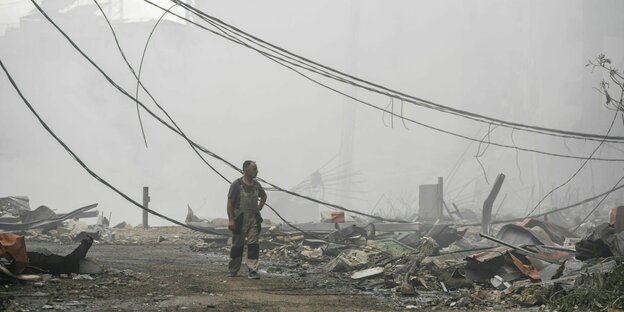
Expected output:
{"points": [[144, 274], [169, 276]]}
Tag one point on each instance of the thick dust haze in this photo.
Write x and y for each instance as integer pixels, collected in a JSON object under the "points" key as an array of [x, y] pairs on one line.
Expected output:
{"points": [[520, 61]]}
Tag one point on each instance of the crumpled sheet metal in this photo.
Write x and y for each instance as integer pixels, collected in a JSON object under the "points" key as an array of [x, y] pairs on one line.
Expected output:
{"points": [[8, 227], [484, 265], [603, 241], [490, 254], [41, 213], [191, 217], [14, 204], [556, 233], [14, 247], [519, 235], [527, 270], [348, 232]]}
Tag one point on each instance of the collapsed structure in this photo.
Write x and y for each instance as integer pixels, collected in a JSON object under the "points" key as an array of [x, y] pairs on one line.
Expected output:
{"points": [[441, 259]]}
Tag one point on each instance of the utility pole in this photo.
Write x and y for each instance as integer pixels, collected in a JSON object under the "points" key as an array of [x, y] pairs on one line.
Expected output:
{"points": [[440, 201], [146, 200]]}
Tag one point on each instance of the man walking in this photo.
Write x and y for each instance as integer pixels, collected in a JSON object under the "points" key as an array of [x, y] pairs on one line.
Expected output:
{"points": [[244, 219]]}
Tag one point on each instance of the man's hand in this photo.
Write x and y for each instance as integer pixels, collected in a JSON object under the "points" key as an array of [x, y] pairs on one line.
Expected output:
{"points": [[231, 225]]}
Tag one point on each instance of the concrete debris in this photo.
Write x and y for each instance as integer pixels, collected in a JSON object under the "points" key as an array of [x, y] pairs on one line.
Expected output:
{"points": [[309, 253], [367, 273], [419, 264], [499, 283], [452, 267]]}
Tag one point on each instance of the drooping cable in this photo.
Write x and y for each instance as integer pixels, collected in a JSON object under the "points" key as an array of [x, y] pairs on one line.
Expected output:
{"points": [[582, 165], [333, 73], [124, 57], [615, 186], [138, 76], [201, 148], [277, 60], [517, 157], [85, 167], [177, 128], [481, 153]]}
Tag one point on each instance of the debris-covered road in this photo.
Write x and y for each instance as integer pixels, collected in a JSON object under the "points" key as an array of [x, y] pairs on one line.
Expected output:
{"points": [[377, 266], [169, 276], [144, 274]]}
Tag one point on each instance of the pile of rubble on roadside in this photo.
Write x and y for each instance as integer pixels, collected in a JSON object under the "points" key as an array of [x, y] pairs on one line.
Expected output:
{"points": [[45, 225], [532, 263], [18, 224]]}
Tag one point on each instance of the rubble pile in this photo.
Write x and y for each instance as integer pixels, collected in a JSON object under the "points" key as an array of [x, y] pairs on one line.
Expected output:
{"points": [[531, 263], [418, 265]]}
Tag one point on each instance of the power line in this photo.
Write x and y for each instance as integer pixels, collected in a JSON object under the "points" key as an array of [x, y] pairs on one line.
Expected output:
{"points": [[582, 165], [178, 130], [332, 73], [278, 60], [85, 167], [603, 138], [138, 77], [194, 144], [163, 110], [171, 128], [600, 202]]}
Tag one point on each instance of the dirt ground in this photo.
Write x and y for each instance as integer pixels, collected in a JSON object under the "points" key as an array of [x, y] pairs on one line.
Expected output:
{"points": [[144, 274]]}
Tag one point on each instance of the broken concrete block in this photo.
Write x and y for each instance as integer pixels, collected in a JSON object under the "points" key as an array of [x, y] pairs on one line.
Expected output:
{"points": [[367, 273], [316, 253], [291, 238], [314, 243], [499, 283]]}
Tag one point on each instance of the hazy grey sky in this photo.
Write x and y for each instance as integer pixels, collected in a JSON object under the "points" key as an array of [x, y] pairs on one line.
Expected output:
{"points": [[514, 60]]}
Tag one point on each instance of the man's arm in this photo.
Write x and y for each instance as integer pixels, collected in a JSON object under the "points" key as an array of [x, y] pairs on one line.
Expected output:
{"points": [[263, 198], [232, 193], [230, 212]]}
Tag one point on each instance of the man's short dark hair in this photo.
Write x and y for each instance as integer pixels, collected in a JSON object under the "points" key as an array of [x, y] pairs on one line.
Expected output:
{"points": [[246, 165]]}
